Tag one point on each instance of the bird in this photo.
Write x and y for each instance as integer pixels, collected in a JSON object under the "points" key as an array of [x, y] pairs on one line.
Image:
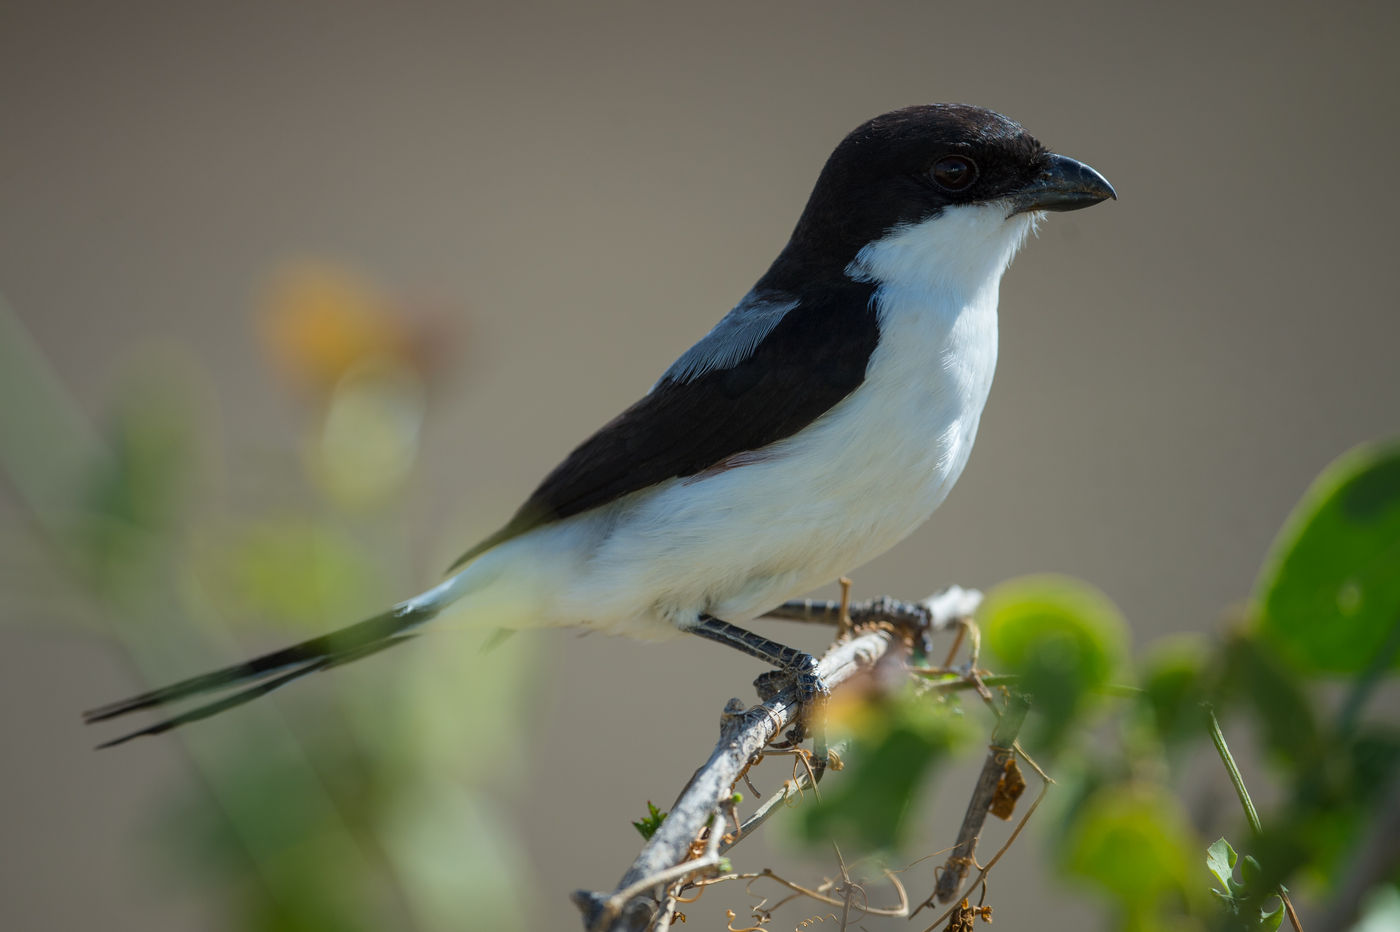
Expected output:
{"points": [[818, 423]]}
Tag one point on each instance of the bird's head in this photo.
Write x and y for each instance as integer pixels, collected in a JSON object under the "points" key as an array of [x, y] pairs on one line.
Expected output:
{"points": [[902, 174]]}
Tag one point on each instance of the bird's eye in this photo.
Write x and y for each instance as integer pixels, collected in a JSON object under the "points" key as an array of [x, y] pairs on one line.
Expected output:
{"points": [[953, 172]]}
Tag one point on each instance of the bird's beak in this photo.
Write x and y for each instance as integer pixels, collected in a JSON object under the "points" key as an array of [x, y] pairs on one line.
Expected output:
{"points": [[1067, 184]]}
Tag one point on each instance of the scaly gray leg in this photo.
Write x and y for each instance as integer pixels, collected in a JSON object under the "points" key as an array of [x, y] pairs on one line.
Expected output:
{"points": [[799, 665]]}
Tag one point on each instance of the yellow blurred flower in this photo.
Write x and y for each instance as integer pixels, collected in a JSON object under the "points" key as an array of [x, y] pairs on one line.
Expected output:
{"points": [[320, 321], [367, 362]]}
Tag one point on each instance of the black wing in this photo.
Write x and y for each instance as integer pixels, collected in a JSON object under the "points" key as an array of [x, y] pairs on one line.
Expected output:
{"points": [[814, 357]]}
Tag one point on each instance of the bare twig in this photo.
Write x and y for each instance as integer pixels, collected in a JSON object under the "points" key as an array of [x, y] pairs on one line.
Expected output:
{"points": [[897, 912], [790, 792], [844, 625], [961, 859], [982, 873], [634, 904]]}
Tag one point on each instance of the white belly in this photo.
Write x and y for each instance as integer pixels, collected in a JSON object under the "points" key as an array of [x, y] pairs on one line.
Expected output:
{"points": [[736, 543]]}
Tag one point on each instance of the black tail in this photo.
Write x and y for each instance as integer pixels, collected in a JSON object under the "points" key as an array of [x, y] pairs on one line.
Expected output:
{"points": [[262, 675]]}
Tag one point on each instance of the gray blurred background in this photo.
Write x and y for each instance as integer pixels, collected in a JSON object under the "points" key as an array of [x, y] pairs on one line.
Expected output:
{"points": [[566, 196]]}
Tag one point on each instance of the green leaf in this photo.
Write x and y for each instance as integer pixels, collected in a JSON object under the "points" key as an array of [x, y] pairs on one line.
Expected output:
{"points": [[1328, 597], [1135, 844], [1063, 637], [1242, 897], [899, 743], [1220, 860], [1255, 673], [290, 570], [133, 499], [1173, 679], [649, 823]]}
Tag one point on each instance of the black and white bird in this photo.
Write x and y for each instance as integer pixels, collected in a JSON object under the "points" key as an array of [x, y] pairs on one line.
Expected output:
{"points": [[816, 425]]}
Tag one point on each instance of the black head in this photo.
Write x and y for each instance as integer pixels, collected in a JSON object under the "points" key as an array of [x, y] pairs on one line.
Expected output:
{"points": [[907, 166]]}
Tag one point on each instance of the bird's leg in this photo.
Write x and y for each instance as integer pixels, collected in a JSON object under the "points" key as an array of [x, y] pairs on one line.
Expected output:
{"points": [[799, 666], [844, 625]]}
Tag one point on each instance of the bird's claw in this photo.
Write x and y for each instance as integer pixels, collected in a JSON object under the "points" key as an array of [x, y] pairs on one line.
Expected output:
{"points": [[812, 692]]}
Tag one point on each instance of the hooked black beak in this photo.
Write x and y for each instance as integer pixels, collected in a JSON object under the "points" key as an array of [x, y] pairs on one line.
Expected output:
{"points": [[1067, 184]]}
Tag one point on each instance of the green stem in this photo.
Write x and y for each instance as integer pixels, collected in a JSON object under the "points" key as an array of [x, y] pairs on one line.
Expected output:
{"points": [[1228, 760], [955, 683]]}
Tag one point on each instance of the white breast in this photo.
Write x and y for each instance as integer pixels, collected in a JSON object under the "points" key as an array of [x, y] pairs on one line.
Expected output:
{"points": [[836, 494]]}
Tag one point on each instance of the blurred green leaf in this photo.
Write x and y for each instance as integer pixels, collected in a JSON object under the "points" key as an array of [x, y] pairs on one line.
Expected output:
{"points": [[456, 859], [1135, 844], [1284, 710], [133, 500], [1329, 595], [1375, 761], [47, 445], [900, 743], [1063, 637], [151, 437], [291, 571], [1334, 802], [1173, 677]]}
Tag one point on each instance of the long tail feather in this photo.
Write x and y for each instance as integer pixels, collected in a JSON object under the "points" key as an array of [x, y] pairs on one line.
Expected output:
{"points": [[262, 675], [214, 708]]}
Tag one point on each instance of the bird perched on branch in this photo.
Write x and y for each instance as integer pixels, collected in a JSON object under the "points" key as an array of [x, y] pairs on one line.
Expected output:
{"points": [[817, 424]]}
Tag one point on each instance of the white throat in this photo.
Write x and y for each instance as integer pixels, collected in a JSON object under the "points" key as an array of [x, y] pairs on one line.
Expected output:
{"points": [[936, 300], [958, 253], [930, 375]]}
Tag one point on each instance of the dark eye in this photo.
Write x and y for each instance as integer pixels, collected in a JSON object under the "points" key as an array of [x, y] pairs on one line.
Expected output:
{"points": [[953, 172]]}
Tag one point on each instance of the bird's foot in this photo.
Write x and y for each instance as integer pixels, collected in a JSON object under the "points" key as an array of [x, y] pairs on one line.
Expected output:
{"points": [[802, 673]]}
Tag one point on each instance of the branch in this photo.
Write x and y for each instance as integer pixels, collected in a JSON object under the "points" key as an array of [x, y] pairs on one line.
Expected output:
{"points": [[961, 859], [665, 859]]}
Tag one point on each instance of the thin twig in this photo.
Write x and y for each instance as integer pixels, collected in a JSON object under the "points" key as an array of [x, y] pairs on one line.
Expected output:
{"points": [[1293, 919], [1006, 846], [846, 886], [844, 625], [964, 851], [953, 648], [896, 912]]}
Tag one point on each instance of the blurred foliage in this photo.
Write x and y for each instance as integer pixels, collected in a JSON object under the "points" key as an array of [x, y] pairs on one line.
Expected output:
{"points": [[1298, 673], [897, 743], [290, 570], [1133, 842], [1063, 639], [380, 812], [1329, 596]]}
